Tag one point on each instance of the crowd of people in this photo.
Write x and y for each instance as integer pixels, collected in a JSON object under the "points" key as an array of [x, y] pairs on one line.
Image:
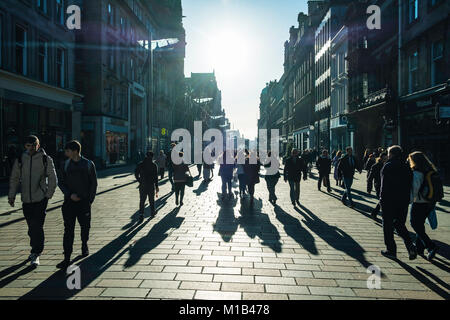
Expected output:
{"points": [[398, 181]]}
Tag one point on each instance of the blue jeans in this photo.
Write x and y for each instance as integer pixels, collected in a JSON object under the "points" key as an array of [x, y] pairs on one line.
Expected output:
{"points": [[348, 181], [294, 193]]}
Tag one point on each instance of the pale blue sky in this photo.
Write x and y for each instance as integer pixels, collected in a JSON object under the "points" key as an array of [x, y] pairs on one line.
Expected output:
{"points": [[243, 41]]}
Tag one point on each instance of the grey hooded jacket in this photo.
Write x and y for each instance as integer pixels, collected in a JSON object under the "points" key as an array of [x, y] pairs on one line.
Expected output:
{"points": [[36, 184]]}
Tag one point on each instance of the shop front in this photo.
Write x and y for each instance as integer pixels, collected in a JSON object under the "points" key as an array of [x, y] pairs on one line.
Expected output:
{"points": [[339, 135], [426, 126], [53, 127]]}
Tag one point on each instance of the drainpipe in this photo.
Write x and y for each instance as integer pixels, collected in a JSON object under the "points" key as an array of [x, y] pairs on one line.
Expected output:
{"points": [[399, 76]]}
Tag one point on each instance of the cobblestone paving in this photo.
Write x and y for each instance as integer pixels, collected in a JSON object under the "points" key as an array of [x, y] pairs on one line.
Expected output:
{"points": [[207, 249]]}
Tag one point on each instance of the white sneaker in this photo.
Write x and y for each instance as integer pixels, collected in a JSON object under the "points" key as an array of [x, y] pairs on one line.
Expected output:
{"points": [[35, 260]]}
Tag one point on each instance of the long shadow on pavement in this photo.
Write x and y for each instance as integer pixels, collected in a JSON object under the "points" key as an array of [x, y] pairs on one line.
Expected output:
{"points": [[226, 223], [159, 204], [334, 236], [90, 268], [155, 236], [294, 229], [5, 281], [420, 277], [256, 223]]}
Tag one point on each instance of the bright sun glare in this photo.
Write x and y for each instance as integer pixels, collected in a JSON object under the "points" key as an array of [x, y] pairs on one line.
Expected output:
{"points": [[227, 52]]}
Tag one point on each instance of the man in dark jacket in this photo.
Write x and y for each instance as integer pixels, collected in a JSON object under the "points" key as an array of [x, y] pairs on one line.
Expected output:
{"points": [[347, 166], [374, 178], [252, 175], [395, 193], [78, 182], [146, 174], [323, 164], [293, 170]]}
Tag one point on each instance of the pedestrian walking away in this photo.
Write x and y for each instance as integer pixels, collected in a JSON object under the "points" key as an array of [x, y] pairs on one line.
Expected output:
{"points": [[146, 174], [169, 166], [294, 168], [35, 172], [324, 166], [251, 169], [421, 207], [227, 165], [347, 167], [78, 183], [180, 178], [241, 173], [374, 179], [272, 179], [161, 162], [395, 194]]}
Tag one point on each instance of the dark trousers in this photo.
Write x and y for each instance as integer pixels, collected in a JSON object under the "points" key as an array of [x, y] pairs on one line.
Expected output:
{"points": [[242, 182], [199, 168], [348, 182], [294, 190], [143, 194], [73, 211], [395, 217], [419, 213], [179, 190], [161, 173], [326, 180], [251, 189], [226, 185], [35, 216], [170, 173], [271, 183]]}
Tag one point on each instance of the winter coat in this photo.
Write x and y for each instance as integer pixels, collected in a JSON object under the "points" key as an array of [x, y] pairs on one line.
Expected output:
{"points": [[374, 177], [346, 169], [147, 174], [293, 171], [396, 183], [36, 182], [324, 165]]}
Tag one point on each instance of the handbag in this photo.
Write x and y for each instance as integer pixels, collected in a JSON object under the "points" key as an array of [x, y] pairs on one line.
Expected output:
{"points": [[432, 219], [189, 181]]}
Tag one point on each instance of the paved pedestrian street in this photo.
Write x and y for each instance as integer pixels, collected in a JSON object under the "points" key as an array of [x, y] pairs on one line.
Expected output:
{"points": [[207, 249]]}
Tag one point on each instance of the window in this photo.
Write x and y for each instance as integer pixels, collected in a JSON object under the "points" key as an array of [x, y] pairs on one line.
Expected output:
{"points": [[124, 69], [42, 5], [111, 100], [21, 50], [437, 63], [43, 60], [413, 71], [122, 25], [110, 14], [59, 12], [413, 10], [111, 58], [132, 69], [60, 64]]}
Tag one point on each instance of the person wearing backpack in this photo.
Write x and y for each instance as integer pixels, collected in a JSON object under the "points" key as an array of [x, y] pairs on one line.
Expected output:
{"points": [[35, 172], [422, 196], [78, 183]]}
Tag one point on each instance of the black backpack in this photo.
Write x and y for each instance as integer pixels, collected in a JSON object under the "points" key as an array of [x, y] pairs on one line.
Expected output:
{"points": [[432, 189]]}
